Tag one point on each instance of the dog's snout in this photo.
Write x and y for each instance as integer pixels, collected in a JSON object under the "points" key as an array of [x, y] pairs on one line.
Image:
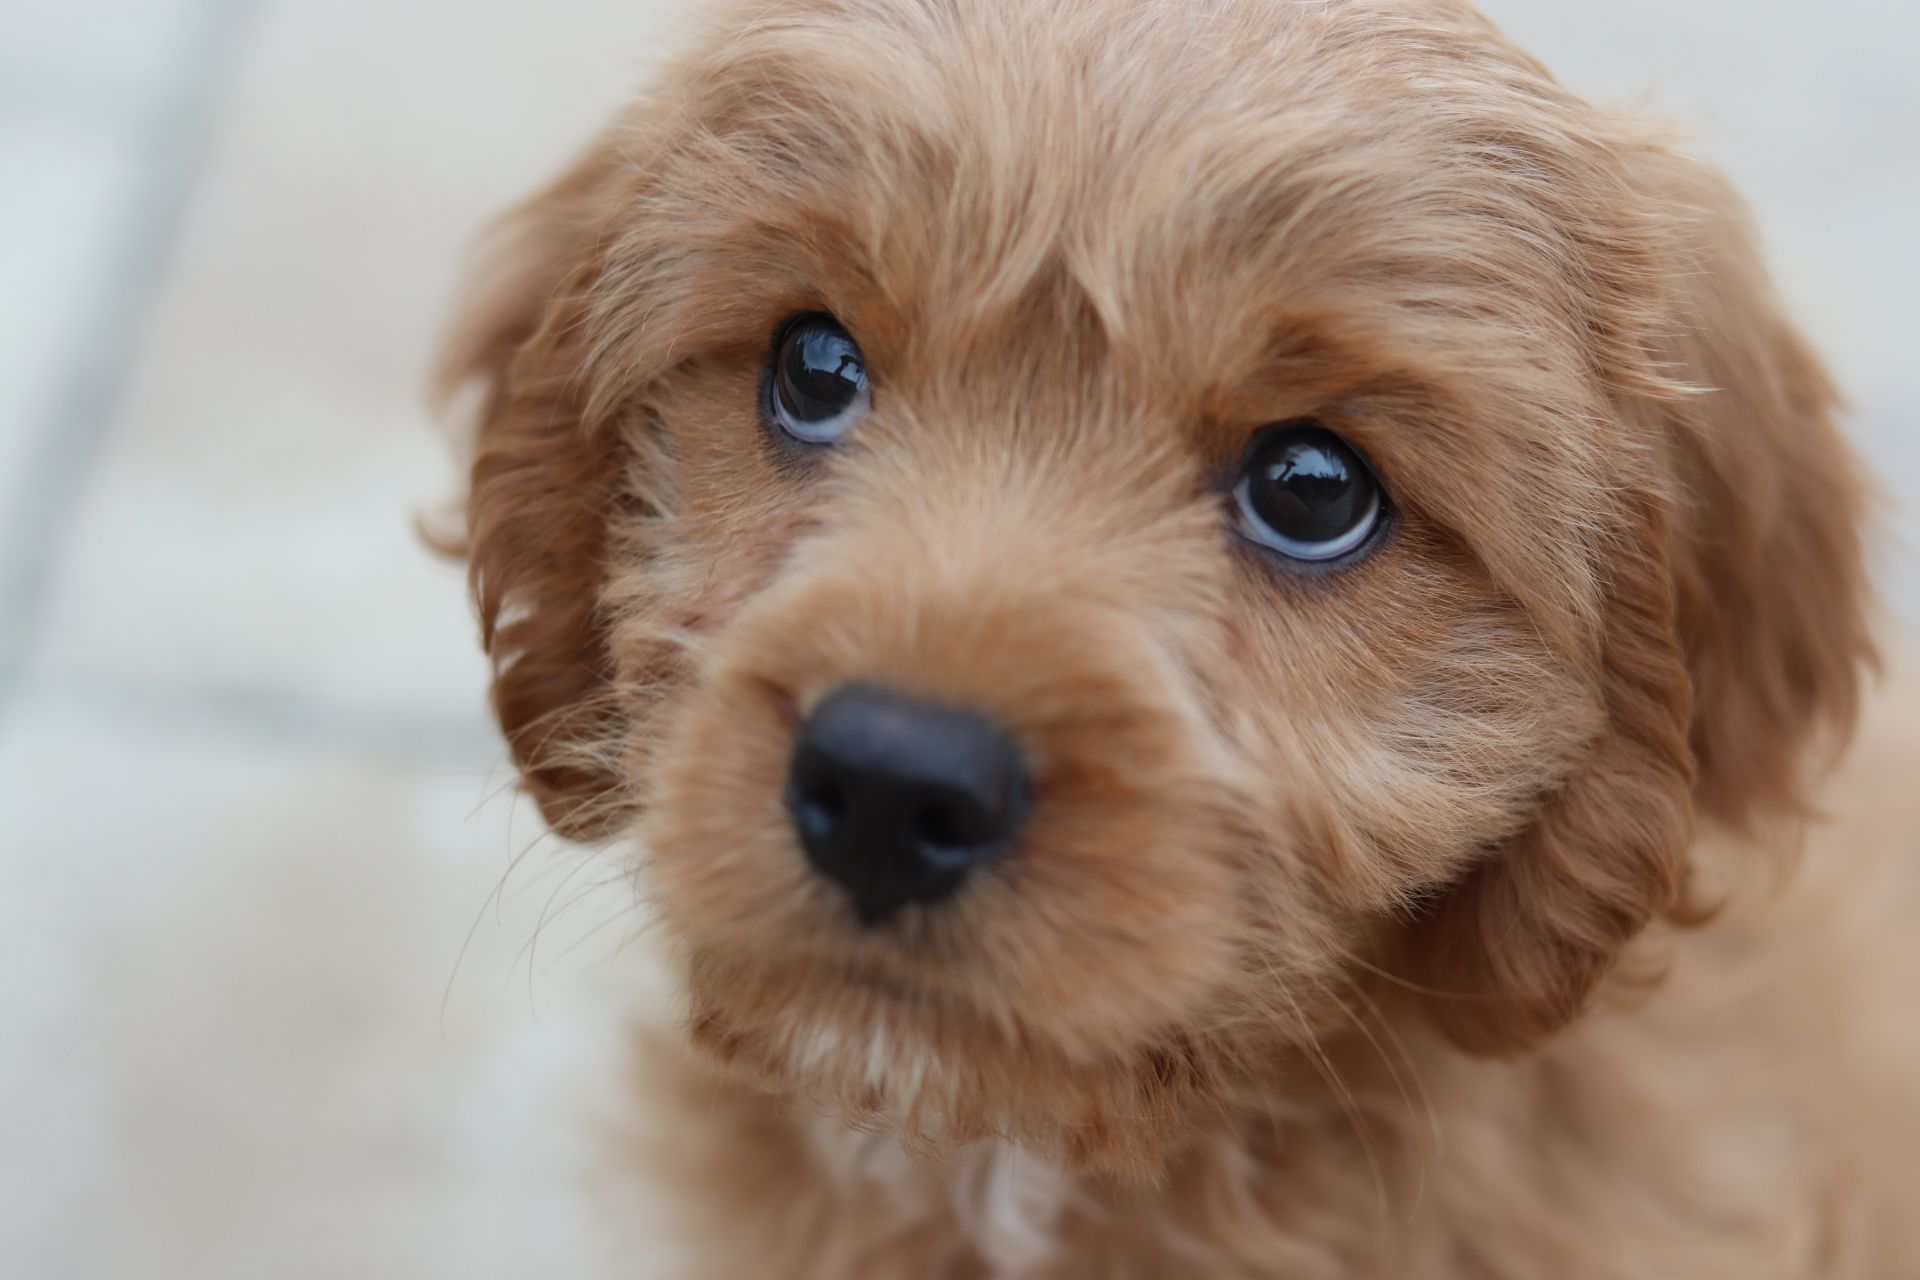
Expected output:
{"points": [[897, 800]]}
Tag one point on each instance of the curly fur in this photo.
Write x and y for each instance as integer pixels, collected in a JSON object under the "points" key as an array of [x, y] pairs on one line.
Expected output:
{"points": [[1296, 972]]}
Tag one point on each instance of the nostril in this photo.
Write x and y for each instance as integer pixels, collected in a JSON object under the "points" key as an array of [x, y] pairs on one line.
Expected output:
{"points": [[819, 807], [827, 795], [946, 824], [961, 822]]}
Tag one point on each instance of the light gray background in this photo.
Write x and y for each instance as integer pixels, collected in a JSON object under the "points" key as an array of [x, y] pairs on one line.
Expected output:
{"points": [[249, 806]]}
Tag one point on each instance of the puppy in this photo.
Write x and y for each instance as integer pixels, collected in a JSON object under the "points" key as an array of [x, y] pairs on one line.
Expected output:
{"points": [[1210, 626]]}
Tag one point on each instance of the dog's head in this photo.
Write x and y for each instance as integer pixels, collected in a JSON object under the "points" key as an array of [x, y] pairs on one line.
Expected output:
{"points": [[1068, 535]]}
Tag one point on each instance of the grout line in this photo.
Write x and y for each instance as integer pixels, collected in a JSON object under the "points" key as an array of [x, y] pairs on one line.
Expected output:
{"points": [[74, 433]]}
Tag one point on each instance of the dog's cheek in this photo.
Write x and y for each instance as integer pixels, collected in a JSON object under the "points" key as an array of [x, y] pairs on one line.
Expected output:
{"points": [[1422, 783], [719, 859], [1404, 724], [670, 609]]}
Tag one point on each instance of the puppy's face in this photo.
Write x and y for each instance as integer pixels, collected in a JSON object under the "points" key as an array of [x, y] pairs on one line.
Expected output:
{"points": [[1071, 541]]}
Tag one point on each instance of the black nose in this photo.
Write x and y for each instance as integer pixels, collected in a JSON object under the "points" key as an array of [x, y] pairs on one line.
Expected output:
{"points": [[897, 800]]}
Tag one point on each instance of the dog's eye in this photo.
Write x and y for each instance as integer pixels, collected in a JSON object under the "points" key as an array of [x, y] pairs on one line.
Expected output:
{"points": [[818, 387], [1307, 494]]}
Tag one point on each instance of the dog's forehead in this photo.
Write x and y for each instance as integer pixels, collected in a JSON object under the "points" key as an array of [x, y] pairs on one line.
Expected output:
{"points": [[1198, 174]]}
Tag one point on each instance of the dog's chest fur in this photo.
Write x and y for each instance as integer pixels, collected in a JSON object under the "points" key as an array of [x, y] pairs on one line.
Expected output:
{"points": [[1566, 1166]]}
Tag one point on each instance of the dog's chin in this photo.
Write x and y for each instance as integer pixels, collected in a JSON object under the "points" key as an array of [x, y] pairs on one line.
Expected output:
{"points": [[942, 1073]]}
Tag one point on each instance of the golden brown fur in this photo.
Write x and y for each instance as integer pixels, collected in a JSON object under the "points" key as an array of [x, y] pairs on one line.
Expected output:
{"points": [[1295, 972]]}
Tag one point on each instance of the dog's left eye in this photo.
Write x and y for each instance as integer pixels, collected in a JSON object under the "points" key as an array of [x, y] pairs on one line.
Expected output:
{"points": [[818, 388], [1307, 494]]}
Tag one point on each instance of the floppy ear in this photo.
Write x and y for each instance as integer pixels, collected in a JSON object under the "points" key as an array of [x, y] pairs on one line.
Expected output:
{"points": [[1734, 635], [541, 488], [1774, 604]]}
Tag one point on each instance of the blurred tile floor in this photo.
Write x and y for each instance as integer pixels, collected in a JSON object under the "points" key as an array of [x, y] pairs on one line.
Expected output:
{"points": [[249, 805]]}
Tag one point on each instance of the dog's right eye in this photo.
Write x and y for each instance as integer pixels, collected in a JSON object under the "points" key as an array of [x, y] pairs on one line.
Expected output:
{"points": [[818, 388]]}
